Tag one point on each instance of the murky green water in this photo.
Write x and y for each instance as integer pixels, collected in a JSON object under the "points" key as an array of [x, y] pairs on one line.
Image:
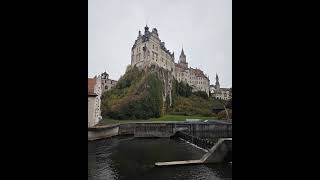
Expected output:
{"points": [[134, 158]]}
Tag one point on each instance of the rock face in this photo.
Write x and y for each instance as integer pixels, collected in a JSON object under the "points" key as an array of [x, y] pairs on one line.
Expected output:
{"points": [[167, 79], [140, 94]]}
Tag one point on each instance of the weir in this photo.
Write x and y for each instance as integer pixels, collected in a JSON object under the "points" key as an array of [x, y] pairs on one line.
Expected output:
{"points": [[203, 143], [220, 152], [207, 136], [155, 129]]}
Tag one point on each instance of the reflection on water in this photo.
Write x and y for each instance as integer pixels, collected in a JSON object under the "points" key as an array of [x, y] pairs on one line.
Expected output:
{"points": [[134, 158]]}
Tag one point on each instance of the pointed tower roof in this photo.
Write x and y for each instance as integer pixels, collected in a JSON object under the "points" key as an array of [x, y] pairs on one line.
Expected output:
{"points": [[182, 53]]}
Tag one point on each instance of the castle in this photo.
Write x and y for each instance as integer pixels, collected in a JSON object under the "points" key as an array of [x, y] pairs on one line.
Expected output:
{"points": [[149, 50]]}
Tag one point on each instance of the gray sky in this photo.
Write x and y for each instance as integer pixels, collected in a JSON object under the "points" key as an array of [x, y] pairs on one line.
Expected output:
{"points": [[204, 27]]}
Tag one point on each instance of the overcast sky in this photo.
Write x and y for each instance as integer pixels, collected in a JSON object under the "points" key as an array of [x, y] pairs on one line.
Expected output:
{"points": [[204, 27]]}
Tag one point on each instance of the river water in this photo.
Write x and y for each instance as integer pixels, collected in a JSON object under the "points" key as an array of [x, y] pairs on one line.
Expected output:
{"points": [[133, 158]]}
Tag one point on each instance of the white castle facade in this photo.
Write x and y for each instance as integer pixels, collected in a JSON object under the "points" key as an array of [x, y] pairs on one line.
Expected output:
{"points": [[149, 50]]}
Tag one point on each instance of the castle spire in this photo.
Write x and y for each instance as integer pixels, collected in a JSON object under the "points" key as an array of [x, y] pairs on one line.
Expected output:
{"points": [[183, 60], [182, 53], [217, 83]]}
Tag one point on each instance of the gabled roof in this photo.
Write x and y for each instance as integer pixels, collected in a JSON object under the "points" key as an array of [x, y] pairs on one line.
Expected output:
{"points": [[91, 85]]}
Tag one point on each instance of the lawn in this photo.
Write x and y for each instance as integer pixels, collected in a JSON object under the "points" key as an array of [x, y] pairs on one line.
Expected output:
{"points": [[180, 118], [164, 118]]}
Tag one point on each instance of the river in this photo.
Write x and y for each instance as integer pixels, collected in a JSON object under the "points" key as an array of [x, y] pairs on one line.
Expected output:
{"points": [[127, 157]]}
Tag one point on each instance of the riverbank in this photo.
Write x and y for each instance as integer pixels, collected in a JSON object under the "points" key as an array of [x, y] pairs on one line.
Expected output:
{"points": [[165, 118], [155, 128]]}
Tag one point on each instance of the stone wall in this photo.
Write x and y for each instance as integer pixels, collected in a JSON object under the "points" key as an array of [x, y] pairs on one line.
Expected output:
{"points": [[127, 129], [154, 129], [102, 132], [91, 111]]}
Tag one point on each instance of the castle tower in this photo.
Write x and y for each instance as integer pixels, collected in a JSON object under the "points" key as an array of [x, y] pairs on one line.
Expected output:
{"points": [[146, 30], [217, 83], [104, 76], [183, 59]]}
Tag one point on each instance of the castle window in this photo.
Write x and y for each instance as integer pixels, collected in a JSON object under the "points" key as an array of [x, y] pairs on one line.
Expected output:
{"points": [[152, 46]]}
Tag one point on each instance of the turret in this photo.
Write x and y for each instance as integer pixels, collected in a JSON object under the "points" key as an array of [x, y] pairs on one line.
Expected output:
{"points": [[104, 75], [182, 57], [217, 83], [182, 60], [155, 31], [146, 29]]}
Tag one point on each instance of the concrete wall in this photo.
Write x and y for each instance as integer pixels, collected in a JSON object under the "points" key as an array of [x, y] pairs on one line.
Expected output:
{"points": [[127, 129], [220, 153], [211, 127], [103, 132], [152, 129], [91, 111]]}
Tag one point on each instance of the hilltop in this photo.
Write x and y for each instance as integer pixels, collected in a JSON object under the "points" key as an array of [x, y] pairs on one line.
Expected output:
{"points": [[152, 93]]}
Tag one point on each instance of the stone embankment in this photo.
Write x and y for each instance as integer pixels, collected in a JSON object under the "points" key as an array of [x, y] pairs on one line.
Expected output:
{"points": [[155, 129]]}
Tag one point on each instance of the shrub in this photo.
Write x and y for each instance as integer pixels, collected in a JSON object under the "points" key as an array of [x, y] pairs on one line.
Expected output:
{"points": [[202, 94], [223, 116], [137, 95]]}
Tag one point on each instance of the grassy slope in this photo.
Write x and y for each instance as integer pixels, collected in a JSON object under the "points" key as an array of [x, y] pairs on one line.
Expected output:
{"points": [[164, 118]]}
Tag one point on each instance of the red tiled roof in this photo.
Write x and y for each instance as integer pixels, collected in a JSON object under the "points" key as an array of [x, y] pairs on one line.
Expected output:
{"points": [[198, 73], [91, 85], [178, 65]]}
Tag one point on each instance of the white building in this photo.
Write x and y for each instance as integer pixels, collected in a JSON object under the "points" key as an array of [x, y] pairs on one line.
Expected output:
{"points": [[149, 50], [220, 93], [94, 101], [194, 77]]}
